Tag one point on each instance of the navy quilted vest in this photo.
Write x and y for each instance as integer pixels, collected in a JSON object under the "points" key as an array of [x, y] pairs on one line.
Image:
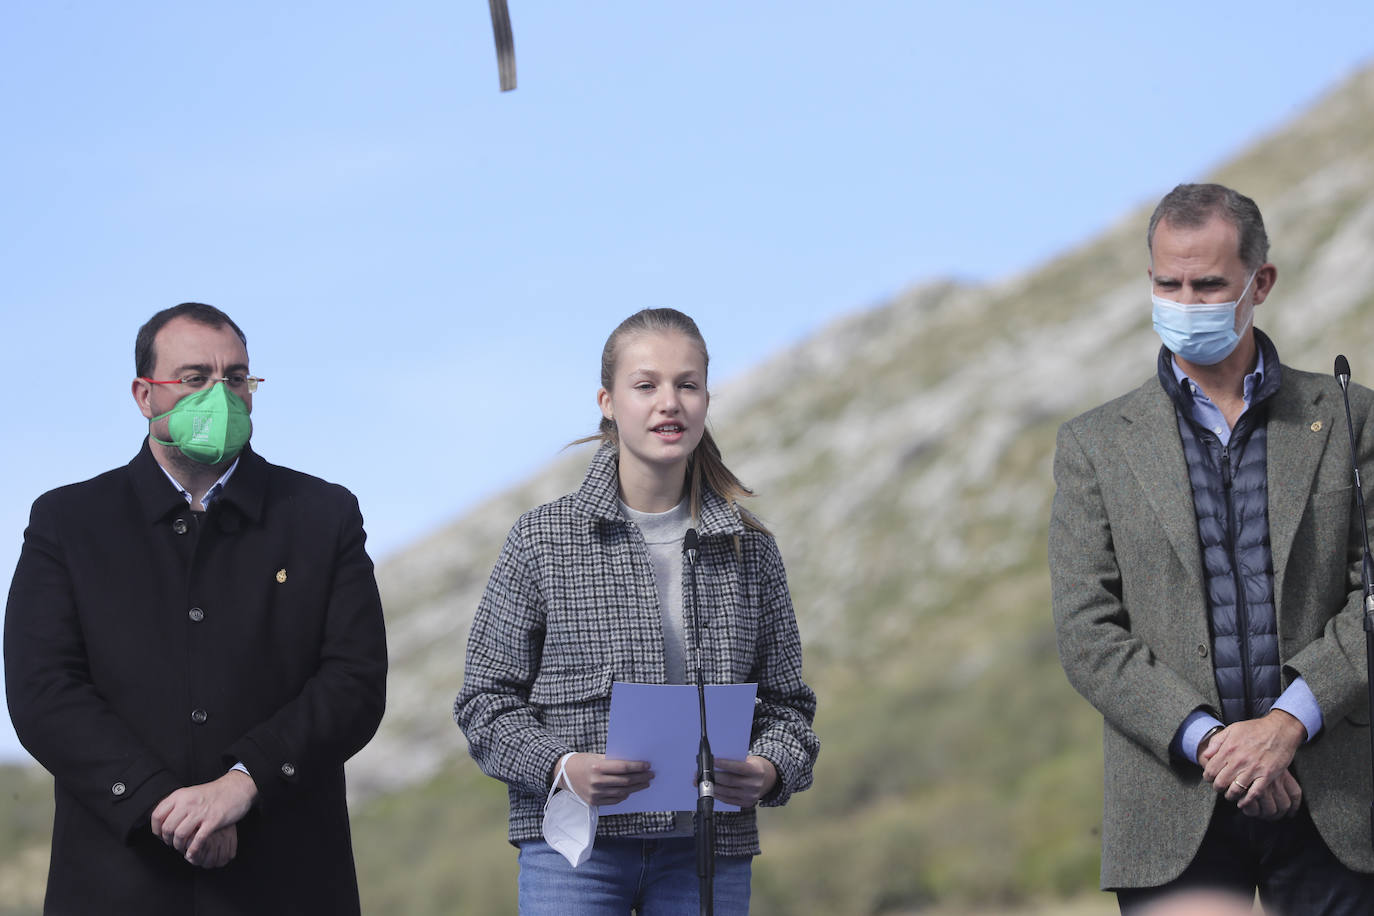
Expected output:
{"points": [[1230, 497]]}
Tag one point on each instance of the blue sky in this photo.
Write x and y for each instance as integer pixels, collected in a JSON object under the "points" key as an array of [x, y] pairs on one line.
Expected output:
{"points": [[426, 268]]}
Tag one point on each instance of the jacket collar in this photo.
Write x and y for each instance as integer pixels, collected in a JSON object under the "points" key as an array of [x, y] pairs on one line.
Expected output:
{"points": [[1299, 417], [1268, 387], [1302, 419], [246, 490], [1151, 445], [599, 497]]}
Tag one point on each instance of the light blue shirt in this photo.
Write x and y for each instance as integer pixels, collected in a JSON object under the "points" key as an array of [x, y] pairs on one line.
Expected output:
{"points": [[211, 493], [1298, 700], [1209, 415]]}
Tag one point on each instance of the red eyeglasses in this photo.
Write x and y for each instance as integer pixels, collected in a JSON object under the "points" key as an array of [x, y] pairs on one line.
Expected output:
{"points": [[196, 382]]}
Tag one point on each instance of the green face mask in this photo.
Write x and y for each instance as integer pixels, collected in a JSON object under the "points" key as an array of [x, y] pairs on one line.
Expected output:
{"points": [[208, 426]]}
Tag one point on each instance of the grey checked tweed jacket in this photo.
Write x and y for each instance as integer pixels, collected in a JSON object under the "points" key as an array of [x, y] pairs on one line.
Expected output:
{"points": [[1131, 613], [571, 607]]}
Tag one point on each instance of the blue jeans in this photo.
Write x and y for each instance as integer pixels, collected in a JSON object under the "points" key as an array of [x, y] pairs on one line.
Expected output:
{"points": [[623, 876]]}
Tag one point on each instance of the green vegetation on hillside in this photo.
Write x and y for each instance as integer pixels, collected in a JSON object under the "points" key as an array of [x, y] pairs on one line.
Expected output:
{"points": [[25, 832]]}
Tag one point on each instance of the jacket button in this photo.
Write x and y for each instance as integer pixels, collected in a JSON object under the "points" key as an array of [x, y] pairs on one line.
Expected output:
{"points": [[179, 526], [198, 716], [1201, 650], [118, 789], [288, 770], [196, 615]]}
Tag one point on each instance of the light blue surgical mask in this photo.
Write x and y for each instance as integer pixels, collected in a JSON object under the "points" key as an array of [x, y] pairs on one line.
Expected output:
{"points": [[1203, 334]]}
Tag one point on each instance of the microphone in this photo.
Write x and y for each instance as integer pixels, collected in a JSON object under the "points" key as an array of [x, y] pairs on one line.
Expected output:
{"points": [[704, 821], [1343, 378], [1367, 566]]}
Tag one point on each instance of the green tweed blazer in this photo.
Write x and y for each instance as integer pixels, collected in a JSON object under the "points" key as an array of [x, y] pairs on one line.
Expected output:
{"points": [[1131, 615]]}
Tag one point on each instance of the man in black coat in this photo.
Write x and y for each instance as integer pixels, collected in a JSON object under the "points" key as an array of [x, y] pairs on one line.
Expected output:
{"points": [[194, 645]]}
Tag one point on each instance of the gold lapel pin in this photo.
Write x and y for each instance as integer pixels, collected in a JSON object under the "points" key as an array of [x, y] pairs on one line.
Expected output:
{"points": [[281, 575], [1316, 426]]}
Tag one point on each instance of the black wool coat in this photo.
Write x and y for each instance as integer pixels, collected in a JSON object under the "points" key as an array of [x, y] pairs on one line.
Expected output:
{"points": [[148, 648]]}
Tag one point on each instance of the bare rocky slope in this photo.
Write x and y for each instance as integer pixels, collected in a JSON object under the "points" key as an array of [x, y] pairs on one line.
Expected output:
{"points": [[903, 459]]}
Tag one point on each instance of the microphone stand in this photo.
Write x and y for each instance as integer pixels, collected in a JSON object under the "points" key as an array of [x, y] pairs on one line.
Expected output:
{"points": [[704, 821], [1367, 564]]}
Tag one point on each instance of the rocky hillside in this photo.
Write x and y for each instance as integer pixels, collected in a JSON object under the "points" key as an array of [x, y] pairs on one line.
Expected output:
{"points": [[903, 460]]}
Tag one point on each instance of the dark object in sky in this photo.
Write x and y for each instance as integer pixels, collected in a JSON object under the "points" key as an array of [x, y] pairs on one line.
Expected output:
{"points": [[505, 43]]}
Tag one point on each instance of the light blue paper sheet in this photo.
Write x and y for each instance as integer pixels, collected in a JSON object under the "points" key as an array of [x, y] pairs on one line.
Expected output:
{"points": [[660, 723]]}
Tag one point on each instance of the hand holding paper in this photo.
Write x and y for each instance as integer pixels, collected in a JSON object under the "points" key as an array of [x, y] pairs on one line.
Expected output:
{"points": [[744, 782], [600, 781], [660, 723]]}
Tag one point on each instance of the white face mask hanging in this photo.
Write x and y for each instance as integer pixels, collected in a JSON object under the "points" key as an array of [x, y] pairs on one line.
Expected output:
{"points": [[569, 822]]}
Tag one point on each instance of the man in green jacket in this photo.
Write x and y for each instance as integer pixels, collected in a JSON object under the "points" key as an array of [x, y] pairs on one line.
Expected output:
{"points": [[1206, 588]]}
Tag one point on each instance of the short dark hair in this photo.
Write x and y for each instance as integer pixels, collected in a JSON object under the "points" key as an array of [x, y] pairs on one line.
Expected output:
{"points": [[1191, 205], [144, 355]]}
